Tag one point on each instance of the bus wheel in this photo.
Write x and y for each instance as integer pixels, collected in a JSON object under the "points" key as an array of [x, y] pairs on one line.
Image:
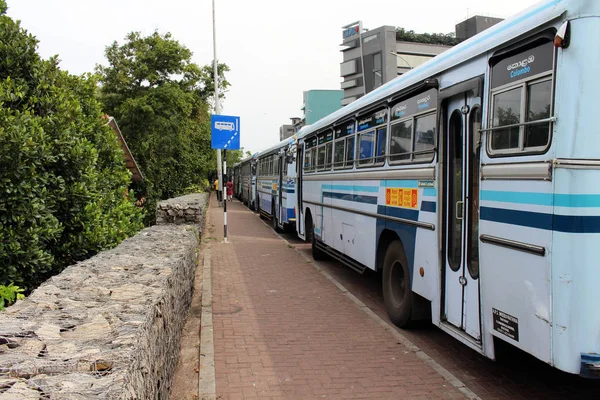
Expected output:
{"points": [[397, 293]]}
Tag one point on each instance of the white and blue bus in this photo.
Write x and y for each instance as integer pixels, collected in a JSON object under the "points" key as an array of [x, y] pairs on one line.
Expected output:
{"points": [[276, 184], [473, 183], [247, 181]]}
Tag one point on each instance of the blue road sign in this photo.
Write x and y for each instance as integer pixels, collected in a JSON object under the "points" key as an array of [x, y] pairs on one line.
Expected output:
{"points": [[225, 132]]}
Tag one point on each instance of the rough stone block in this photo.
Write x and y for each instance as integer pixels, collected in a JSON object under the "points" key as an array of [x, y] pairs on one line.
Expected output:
{"points": [[105, 328]]}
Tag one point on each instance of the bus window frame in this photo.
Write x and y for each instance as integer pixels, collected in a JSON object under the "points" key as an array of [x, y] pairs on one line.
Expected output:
{"points": [[410, 159], [523, 86], [371, 161], [524, 83]]}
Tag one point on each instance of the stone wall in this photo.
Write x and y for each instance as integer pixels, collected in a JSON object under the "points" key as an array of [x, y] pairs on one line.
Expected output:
{"points": [[182, 210], [105, 328]]}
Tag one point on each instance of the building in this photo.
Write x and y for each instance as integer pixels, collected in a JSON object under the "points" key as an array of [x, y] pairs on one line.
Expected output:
{"points": [[474, 25], [316, 104], [285, 131], [374, 57]]}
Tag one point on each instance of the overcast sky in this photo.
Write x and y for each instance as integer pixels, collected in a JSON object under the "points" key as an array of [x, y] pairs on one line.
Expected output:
{"points": [[276, 49]]}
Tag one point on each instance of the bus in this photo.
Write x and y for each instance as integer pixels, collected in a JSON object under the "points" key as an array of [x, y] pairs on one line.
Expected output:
{"points": [[276, 187], [471, 183], [237, 180], [247, 178]]}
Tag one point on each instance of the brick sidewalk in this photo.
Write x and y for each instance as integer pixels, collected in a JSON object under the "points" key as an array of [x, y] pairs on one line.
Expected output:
{"points": [[283, 331]]}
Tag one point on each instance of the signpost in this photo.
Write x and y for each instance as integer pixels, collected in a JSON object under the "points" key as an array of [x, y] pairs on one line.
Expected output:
{"points": [[225, 130]]}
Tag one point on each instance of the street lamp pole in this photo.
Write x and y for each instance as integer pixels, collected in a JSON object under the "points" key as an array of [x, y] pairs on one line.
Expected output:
{"points": [[217, 103]]}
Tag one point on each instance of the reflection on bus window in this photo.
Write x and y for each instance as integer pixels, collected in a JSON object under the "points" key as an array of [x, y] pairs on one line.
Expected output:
{"points": [[507, 111], [349, 151], [328, 148], [424, 136], [366, 147], [338, 157], [401, 141], [538, 107], [381, 142]]}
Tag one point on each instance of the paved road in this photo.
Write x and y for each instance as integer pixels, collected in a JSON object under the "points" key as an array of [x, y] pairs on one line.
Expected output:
{"points": [[515, 375]]}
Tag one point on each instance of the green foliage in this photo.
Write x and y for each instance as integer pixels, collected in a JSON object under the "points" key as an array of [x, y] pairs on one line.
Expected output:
{"points": [[62, 173], [161, 100], [10, 294], [446, 39]]}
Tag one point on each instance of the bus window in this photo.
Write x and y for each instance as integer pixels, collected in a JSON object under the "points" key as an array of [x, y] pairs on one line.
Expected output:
{"points": [[276, 166], [424, 137], [313, 156], [538, 107], [381, 143], [507, 111], [338, 157], [366, 148], [350, 151], [522, 94], [401, 141], [321, 157], [328, 149]]}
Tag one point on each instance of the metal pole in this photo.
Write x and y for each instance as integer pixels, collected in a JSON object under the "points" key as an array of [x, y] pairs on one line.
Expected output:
{"points": [[217, 104], [225, 199]]}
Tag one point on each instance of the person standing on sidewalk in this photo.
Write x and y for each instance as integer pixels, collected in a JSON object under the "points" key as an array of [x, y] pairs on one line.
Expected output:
{"points": [[229, 190]]}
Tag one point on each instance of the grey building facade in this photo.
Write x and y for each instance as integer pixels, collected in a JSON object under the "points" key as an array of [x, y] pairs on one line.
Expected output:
{"points": [[374, 57], [286, 131]]}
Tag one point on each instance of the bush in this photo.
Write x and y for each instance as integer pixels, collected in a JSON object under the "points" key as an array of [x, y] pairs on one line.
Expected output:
{"points": [[10, 294], [64, 183]]}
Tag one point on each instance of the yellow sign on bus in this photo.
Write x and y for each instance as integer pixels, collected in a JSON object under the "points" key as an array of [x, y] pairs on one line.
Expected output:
{"points": [[397, 197]]}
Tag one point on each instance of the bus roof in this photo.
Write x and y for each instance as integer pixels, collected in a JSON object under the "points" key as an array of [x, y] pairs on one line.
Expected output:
{"points": [[489, 39]]}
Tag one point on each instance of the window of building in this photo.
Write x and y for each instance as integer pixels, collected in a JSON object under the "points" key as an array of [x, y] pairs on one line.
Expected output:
{"points": [[377, 73], [522, 94]]}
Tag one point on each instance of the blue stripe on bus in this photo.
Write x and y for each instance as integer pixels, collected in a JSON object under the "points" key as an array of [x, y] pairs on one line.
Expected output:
{"points": [[356, 188], [559, 223], [543, 199], [405, 213], [400, 183], [428, 206], [351, 197], [429, 192]]}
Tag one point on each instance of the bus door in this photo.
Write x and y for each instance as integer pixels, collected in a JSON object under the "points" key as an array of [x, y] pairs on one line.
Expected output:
{"points": [[299, 205], [279, 208], [462, 163]]}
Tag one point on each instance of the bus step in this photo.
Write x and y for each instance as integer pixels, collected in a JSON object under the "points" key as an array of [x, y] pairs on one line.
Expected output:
{"points": [[344, 259]]}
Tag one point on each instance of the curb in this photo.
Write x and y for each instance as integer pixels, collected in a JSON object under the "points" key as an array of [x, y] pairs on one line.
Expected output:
{"points": [[206, 366]]}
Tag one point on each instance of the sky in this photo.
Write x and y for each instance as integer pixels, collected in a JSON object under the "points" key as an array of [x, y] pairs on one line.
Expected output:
{"points": [[276, 49]]}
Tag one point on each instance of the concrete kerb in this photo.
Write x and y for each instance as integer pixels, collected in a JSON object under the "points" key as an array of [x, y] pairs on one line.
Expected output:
{"points": [[447, 375], [206, 369]]}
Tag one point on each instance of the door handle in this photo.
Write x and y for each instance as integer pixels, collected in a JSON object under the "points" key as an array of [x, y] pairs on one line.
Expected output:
{"points": [[459, 210]]}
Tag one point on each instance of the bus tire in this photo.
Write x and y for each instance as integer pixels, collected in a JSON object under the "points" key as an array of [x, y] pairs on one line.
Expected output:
{"points": [[397, 293]]}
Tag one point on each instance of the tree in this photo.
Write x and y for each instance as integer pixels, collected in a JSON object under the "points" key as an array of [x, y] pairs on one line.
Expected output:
{"points": [[446, 39], [162, 102], [62, 172]]}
